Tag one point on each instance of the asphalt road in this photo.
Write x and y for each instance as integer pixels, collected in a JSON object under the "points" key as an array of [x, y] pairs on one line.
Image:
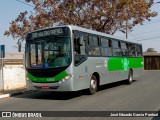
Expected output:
{"points": [[142, 95]]}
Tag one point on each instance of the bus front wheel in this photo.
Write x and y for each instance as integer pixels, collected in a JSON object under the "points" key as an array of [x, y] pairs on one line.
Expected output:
{"points": [[93, 85]]}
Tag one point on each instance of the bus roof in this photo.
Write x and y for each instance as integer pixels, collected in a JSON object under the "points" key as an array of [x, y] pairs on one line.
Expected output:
{"points": [[73, 27], [98, 33]]}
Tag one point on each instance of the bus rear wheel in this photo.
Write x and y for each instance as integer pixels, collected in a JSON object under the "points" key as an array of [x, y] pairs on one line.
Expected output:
{"points": [[93, 85], [130, 77]]}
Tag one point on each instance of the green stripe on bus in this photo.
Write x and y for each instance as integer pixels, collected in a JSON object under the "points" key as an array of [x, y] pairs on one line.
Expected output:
{"points": [[117, 63], [56, 78]]}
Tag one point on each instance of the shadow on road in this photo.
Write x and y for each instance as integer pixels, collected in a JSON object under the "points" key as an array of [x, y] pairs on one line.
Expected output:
{"points": [[112, 85], [50, 95]]}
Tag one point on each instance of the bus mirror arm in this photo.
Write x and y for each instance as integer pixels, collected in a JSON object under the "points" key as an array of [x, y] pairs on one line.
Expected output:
{"points": [[81, 42]]}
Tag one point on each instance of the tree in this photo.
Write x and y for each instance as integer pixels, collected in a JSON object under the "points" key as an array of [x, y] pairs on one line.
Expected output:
{"points": [[151, 50], [106, 16]]}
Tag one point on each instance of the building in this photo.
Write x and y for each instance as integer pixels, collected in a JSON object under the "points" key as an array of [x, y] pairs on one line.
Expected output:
{"points": [[151, 61]]}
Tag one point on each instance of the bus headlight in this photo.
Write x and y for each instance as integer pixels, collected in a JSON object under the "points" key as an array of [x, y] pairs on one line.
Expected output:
{"points": [[67, 77], [27, 78]]}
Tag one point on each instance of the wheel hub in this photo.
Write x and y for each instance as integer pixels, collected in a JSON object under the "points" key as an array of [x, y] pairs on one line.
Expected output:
{"points": [[93, 84]]}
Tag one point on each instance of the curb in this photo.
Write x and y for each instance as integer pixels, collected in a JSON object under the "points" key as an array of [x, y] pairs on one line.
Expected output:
{"points": [[5, 95], [11, 94]]}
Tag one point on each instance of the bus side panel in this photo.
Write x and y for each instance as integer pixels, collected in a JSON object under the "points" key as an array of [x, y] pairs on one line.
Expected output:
{"points": [[137, 72], [116, 69], [110, 70], [83, 73], [119, 67], [137, 65]]}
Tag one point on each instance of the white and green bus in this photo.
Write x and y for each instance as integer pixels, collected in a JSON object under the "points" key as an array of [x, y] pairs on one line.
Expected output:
{"points": [[71, 58]]}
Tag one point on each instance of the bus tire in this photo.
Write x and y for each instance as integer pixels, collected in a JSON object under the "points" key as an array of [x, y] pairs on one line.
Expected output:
{"points": [[130, 77], [93, 85]]}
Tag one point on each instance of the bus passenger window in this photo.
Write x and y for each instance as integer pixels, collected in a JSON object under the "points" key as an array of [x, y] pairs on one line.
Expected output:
{"points": [[127, 50], [116, 48], [138, 50], [110, 43], [93, 51], [132, 50], [106, 47], [93, 46], [115, 43], [123, 47]]}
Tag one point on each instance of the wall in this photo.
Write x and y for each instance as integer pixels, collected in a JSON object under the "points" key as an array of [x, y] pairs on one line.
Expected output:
{"points": [[14, 77]]}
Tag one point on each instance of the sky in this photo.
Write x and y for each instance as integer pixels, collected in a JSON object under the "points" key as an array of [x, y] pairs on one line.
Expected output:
{"points": [[148, 34]]}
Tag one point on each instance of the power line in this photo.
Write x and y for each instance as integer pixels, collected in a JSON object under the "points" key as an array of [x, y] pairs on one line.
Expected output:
{"points": [[145, 39], [141, 27], [25, 3], [156, 30]]}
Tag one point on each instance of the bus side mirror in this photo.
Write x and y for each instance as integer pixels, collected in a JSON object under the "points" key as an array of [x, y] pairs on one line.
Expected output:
{"points": [[81, 41]]}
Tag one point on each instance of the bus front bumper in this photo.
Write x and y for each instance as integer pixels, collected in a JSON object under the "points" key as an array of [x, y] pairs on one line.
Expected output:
{"points": [[58, 86]]}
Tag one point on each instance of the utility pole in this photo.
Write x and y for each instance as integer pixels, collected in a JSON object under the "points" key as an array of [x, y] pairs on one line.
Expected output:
{"points": [[2, 55], [127, 28], [127, 15]]}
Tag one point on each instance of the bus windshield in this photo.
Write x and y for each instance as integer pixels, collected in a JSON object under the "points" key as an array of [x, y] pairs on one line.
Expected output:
{"points": [[49, 52]]}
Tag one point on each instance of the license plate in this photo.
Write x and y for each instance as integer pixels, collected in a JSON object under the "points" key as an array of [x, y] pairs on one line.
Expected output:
{"points": [[44, 87]]}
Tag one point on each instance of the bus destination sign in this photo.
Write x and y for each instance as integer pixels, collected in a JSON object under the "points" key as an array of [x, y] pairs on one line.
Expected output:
{"points": [[48, 32]]}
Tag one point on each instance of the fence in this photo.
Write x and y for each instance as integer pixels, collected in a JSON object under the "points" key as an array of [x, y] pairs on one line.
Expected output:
{"points": [[152, 61]]}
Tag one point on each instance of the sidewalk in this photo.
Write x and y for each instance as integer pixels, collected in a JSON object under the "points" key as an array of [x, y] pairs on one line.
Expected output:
{"points": [[4, 94]]}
